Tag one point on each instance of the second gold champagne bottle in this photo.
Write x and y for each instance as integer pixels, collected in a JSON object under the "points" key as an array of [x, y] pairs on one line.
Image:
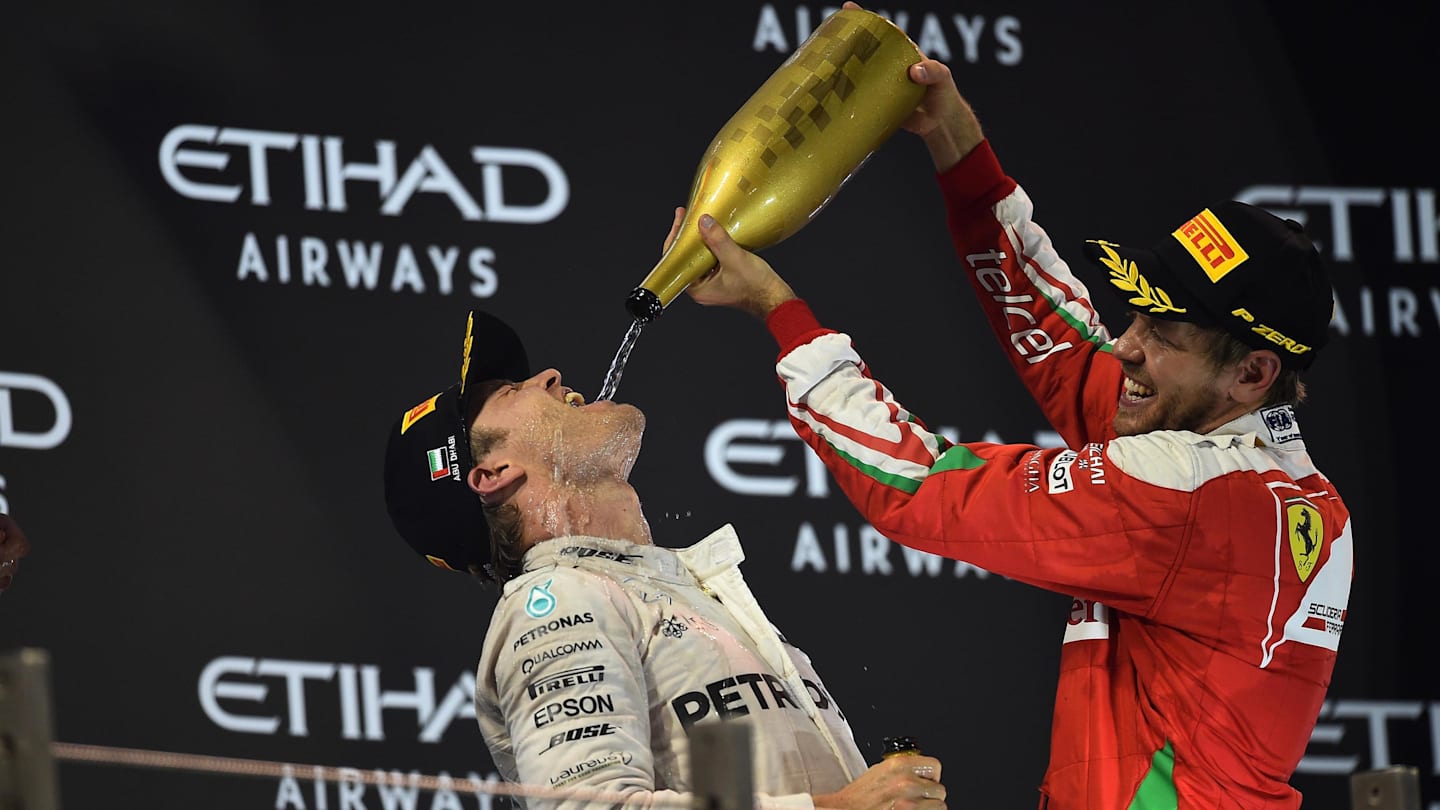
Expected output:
{"points": [[782, 157]]}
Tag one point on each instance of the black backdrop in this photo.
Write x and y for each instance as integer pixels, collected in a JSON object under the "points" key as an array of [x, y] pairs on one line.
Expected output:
{"points": [[202, 345]]}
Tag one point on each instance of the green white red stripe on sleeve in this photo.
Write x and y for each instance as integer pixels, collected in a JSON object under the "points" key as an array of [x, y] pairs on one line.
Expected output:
{"points": [[1048, 275], [829, 395]]}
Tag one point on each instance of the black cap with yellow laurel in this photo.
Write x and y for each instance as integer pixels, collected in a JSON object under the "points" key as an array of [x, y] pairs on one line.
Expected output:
{"points": [[428, 454], [1236, 267]]}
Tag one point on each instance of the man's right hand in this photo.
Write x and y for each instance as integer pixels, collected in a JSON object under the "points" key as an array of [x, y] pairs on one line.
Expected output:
{"points": [[898, 783]]}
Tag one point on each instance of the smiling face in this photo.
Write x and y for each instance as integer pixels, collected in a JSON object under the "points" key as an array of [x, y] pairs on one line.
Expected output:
{"points": [[549, 428], [1171, 383]]}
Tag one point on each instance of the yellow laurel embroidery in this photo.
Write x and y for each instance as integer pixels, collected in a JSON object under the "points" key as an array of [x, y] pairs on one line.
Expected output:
{"points": [[1125, 275]]}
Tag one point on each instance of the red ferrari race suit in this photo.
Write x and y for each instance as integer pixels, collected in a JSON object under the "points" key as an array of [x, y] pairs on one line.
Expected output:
{"points": [[1210, 573]]}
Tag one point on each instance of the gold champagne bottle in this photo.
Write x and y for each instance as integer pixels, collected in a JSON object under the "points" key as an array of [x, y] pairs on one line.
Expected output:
{"points": [[784, 155]]}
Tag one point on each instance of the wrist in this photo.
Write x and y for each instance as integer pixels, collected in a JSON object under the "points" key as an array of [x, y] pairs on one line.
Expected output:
{"points": [[954, 139], [943, 152], [770, 300]]}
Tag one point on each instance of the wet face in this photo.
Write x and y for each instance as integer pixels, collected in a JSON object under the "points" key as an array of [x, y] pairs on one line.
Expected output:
{"points": [[549, 425], [1170, 382]]}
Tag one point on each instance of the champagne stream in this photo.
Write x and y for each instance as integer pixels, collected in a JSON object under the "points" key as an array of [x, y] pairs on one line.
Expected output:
{"points": [[617, 366]]}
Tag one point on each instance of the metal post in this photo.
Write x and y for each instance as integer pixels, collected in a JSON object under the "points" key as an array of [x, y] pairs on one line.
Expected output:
{"points": [[27, 769], [1394, 788], [722, 775]]}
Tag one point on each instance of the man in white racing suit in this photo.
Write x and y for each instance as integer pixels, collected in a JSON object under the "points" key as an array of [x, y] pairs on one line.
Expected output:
{"points": [[604, 649]]}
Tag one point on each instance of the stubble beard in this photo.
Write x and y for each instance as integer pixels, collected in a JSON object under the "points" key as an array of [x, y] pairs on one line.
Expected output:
{"points": [[1189, 411]]}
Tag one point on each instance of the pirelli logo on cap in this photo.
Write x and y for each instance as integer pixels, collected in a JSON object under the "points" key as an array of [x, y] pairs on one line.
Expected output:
{"points": [[1204, 237], [414, 414]]}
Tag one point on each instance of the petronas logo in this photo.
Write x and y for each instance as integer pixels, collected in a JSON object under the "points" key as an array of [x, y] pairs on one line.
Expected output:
{"points": [[540, 603]]}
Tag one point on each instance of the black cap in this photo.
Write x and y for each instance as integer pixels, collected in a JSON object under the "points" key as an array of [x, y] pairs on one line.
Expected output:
{"points": [[1236, 267], [428, 454]]}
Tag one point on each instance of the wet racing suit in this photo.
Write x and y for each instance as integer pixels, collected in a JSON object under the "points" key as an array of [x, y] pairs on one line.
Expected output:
{"points": [[1210, 574], [603, 654]]}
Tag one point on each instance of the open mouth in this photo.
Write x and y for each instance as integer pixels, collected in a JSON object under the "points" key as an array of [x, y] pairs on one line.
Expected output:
{"points": [[574, 399], [1135, 392]]}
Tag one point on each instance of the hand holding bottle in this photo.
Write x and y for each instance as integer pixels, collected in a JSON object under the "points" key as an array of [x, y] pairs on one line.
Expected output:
{"points": [[741, 280]]}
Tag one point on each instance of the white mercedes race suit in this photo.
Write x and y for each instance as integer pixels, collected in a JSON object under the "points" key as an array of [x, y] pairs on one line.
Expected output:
{"points": [[603, 654]]}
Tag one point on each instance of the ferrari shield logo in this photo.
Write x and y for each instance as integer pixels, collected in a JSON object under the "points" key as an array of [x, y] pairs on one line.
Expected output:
{"points": [[1307, 534]]}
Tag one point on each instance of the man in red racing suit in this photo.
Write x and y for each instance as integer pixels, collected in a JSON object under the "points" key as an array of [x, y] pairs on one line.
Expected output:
{"points": [[1209, 560]]}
